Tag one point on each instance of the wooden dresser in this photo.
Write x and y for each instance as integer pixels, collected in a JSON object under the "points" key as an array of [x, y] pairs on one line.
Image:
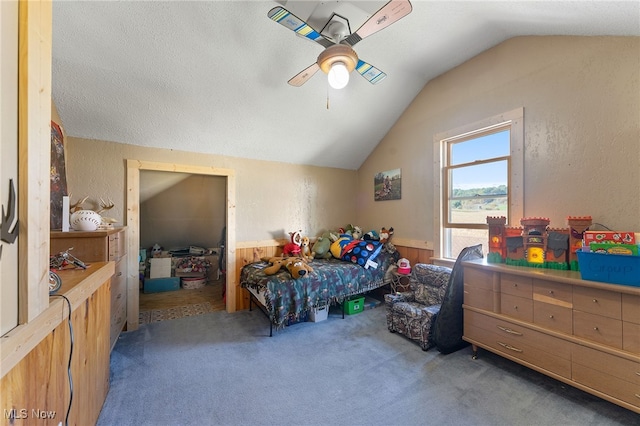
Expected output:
{"points": [[583, 333], [101, 246]]}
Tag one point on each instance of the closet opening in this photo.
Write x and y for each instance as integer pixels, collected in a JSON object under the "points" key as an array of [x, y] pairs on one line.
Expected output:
{"points": [[185, 210]]}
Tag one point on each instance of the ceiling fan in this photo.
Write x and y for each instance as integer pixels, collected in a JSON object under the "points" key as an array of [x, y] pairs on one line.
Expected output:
{"points": [[338, 58]]}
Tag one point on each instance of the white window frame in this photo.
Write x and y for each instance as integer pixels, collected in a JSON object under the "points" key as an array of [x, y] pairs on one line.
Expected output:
{"points": [[513, 119]]}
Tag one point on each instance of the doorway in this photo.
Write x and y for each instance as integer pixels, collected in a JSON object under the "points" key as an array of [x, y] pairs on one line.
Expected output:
{"points": [[133, 223]]}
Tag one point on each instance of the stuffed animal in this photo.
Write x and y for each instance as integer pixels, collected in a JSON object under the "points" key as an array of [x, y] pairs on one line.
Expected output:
{"points": [[385, 239], [305, 248], [338, 246], [371, 236], [293, 248], [320, 249], [356, 233], [385, 234], [297, 266], [389, 247]]}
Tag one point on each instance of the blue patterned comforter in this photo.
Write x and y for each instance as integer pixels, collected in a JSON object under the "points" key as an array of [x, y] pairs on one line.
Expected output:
{"points": [[330, 282]]}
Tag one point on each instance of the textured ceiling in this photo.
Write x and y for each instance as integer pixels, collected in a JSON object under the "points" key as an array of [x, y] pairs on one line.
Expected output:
{"points": [[211, 76]]}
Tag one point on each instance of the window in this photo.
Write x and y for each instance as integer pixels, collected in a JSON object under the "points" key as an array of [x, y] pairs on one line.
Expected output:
{"points": [[479, 174]]}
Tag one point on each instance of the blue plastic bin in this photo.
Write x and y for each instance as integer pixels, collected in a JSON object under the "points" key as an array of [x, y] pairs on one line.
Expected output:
{"points": [[609, 268], [158, 285]]}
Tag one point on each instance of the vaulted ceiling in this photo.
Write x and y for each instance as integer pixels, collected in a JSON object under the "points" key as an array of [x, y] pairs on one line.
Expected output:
{"points": [[211, 76]]}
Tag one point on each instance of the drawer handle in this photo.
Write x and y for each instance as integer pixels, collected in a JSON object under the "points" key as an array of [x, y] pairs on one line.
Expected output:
{"points": [[511, 348], [515, 307], [595, 328], [595, 300], [508, 330], [550, 291], [551, 316], [119, 274], [119, 296]]}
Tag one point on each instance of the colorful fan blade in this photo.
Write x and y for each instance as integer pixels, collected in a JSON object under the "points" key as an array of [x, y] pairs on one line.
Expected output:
{"points": [[304, 75], [371, 73], [387, 15], [297, 25]]}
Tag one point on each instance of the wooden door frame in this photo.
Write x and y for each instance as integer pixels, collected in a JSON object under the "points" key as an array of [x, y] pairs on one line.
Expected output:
{"points": [[133, 229]]}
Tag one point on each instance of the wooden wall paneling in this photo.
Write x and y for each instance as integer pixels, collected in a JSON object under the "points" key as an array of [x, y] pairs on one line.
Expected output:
{"points": [[249, 254], [415, 255], [38, 384]]}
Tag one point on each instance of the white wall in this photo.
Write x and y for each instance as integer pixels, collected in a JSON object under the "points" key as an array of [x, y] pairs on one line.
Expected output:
{"points": [[271, 198], [8, 158], [187, 211], [581, 99]]}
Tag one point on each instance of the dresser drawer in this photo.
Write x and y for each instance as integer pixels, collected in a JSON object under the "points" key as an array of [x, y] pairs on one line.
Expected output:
{"points": [[119, 281], [631, 337], [555, 293], [118, 319], [597, 328], [504, 328], [605, 383], [478, 278], [621, 368], [596, 301], [554, 317], [116, 245], [516, 307], [477, 297], [118, 293], [525, 347], [631, 308], [516, 285]]}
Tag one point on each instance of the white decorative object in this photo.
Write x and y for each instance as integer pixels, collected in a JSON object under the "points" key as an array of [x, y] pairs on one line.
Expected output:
{"points": [[85, 220], [65, 213]]}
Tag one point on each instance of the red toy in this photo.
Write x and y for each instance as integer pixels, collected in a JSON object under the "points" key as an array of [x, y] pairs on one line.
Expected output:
{"points": [[293, 248]]}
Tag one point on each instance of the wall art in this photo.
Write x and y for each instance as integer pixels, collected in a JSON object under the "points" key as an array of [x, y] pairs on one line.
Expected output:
{"points": [[387, 185]]}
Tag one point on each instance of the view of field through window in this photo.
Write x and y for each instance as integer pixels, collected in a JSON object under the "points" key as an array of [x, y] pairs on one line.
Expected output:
{"points": [[478, 179]]}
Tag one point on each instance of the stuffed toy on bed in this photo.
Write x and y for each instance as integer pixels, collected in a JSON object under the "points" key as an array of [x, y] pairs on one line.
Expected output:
{"points": [[297, 266], [320, 249], [305, 248], [339, 245], [292, 248], [360, 252], [363, 253]]}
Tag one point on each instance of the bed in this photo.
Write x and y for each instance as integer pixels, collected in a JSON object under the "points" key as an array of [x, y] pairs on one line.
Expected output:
{"points": [[285, 300]]}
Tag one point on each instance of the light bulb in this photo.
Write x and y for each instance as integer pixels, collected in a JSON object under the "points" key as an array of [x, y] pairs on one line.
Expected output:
{"points": [[338, 75]]}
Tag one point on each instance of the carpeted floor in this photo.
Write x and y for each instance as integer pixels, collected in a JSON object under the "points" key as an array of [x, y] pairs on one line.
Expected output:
{"points": [[223, 369], [157, 315]]}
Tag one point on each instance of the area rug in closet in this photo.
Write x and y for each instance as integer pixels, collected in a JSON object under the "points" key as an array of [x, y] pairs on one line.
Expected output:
{"points": [[157, 315]]}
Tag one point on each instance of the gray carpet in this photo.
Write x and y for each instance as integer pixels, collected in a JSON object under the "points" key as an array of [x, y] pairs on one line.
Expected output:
{"points": [[224, 369]]}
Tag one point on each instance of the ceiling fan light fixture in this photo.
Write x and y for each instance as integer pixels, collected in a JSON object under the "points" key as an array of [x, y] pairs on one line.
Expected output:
{"points": [[337, 62], [338, 75]]}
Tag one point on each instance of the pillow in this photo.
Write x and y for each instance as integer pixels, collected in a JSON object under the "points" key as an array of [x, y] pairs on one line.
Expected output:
{"points": [[362, 253]]}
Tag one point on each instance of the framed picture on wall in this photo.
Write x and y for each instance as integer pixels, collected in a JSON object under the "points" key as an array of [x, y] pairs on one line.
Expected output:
{"points": [[58, 176], [387, 185]]}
